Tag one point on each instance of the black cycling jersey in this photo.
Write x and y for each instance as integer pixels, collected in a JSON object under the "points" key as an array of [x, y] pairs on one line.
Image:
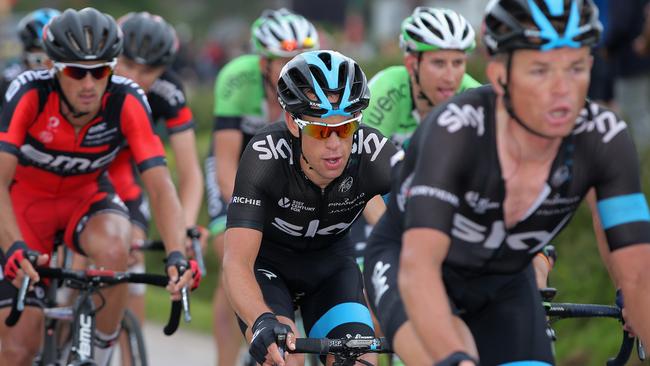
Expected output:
{"points": [[274, 196], [451, 180], [167, 100]]}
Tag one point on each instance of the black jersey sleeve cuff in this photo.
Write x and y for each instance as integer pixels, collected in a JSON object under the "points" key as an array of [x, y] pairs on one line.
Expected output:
{"points": [[247, 224], [152, 162], [181, 128], [227, 123], [9, 148]]}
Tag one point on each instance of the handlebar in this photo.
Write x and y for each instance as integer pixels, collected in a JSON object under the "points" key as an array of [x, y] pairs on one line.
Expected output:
{"points": [[90, 279]]}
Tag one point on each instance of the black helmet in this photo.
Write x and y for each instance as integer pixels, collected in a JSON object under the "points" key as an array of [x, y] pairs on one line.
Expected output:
{"points": [[84, 35], [148, 39], [30, 28], [321, 73], [540, 24]]}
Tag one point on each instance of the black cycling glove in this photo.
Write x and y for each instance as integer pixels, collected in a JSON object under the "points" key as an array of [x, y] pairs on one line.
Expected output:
{"points": [[264, 333], [455, 358]]}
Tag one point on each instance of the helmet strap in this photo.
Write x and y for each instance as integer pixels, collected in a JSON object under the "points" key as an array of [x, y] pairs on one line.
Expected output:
{"points": [[416, 76], [507, 102], [71, 109]]}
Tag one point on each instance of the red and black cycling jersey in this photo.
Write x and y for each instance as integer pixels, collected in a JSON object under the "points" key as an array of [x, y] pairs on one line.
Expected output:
{"points": [[451, 180], [273, 195], [168, 103], [55, 158]]}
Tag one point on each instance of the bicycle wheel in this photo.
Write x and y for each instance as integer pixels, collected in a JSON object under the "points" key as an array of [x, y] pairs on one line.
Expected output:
{"points": [[133, 352]]}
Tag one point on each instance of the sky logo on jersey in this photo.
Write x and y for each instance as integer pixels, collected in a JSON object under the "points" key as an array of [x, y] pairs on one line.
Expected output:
{"points": [[246, 201], [270, 149], [496, 235], [312, 228], [604, 121], [370, 144], [455, 118]]}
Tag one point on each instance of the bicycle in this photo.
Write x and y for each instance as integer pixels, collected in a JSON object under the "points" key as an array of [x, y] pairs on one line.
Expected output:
{"points": [[82, 313], [346, 351], [558, 311]]}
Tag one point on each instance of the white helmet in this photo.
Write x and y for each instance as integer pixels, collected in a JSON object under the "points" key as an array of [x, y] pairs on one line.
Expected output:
{"points": [[432, 29], [281, 33]]}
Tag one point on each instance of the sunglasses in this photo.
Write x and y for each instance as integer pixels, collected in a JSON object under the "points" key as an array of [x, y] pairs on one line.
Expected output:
{"points": [[79, 71], [322, 131], [36, 60]]}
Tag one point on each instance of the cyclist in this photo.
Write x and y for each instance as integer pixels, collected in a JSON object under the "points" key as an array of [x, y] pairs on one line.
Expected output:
{"points": [[245, 101], [492, 176], [59, 129], [30, 32], [436, 43], [300, 185], [150, 46]]}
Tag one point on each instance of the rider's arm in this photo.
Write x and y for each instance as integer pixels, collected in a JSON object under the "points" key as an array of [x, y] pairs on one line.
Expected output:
{"points": [[240, 252], [9, 231], [227, 145], [190, 184], [601, 239], [149, 156], [167, 210], [374, 209], [423, 291], [624, 215], [17, 113]]}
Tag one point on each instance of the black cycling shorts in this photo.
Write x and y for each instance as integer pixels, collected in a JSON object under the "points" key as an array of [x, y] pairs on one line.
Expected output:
{"points": [[503, 312], [325, 285], [139, 213]]}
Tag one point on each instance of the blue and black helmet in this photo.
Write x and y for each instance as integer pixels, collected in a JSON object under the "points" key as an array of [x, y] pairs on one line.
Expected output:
{"points": [[30, 28], [307, 80], [540, 24]]}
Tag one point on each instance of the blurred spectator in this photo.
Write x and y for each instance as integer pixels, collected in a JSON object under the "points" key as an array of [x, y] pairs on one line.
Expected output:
{"points": [[631, 69], [601, 88]]}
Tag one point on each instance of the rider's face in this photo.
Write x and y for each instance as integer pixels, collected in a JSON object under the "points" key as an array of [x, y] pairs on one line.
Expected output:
{"points": [[548, 89], [85, 94], [271, 67], [326, 157], [440, 73], [144, 75]]}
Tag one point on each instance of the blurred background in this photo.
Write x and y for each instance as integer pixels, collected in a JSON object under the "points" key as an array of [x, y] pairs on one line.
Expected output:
{"points": [[214, 31]]}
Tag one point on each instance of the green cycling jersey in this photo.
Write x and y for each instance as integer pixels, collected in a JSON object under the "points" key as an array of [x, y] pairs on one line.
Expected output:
{"points": [[391, 108], [239, 92]]}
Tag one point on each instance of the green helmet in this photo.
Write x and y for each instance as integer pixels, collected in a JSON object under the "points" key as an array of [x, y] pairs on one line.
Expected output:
{"points": [[432, 29], [281, 33]]}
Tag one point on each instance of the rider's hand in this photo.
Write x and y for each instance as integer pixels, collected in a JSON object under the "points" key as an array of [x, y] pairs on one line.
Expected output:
{"points": [[203, 235], [21, 261], [263, 348], [458, 358], [621, 305], [176, 264]]}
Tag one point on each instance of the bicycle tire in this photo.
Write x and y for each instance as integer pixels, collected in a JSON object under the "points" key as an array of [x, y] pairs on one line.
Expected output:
{"points": [[137, 350]]}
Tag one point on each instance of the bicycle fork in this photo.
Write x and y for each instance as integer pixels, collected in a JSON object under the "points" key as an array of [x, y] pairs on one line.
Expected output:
{"points": [[83, 331]]}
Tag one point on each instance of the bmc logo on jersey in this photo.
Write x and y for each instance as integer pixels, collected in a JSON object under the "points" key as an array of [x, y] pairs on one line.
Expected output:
{"points": [[168, 91], [532, 241], [64, 164], [312, 228], [370, 144], [455, 118], [270, 149], [25, 78]]}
